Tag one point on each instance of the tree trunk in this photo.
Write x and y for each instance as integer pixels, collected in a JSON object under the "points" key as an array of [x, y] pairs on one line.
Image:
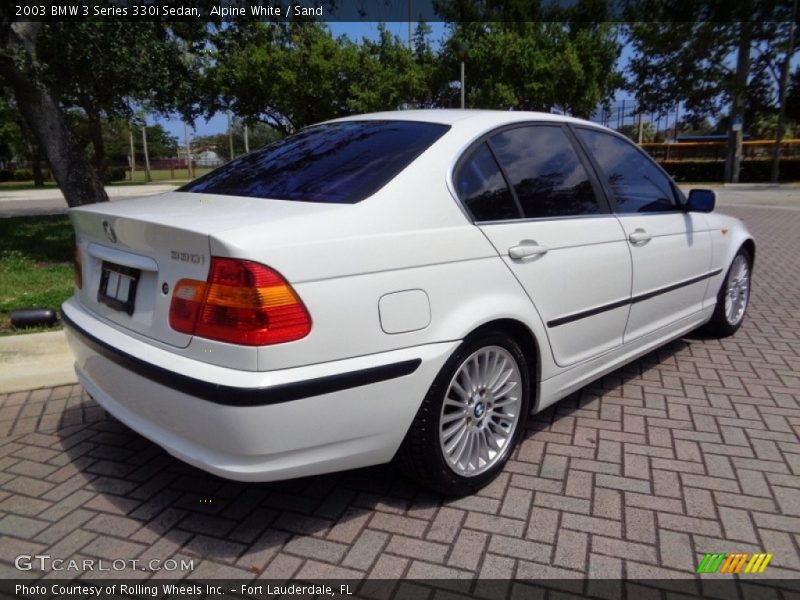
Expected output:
{"points": [[34, 154], [782, 90], [36, 168], [733, 160], [69, 165], [96, 135]]}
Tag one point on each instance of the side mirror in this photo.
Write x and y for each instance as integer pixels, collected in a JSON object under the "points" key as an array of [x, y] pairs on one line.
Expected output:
{"points": [[701, 201]]}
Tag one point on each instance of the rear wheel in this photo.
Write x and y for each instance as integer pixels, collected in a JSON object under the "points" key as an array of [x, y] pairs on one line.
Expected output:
{"points": [[733, 297], [471, 418]]}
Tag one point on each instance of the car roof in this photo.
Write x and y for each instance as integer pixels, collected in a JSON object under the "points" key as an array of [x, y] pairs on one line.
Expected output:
{"points": [[473, 117]]}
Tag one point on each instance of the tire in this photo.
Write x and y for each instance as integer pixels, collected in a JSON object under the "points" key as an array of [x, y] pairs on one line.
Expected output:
{"points": [[463, 434], [733, 297]]}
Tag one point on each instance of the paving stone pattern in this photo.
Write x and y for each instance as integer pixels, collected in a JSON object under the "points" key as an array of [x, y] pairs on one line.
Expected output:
{"points": [[692, 449]]}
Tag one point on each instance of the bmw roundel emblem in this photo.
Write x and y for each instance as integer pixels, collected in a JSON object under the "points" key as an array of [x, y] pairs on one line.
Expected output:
{"points": [[109, 231]]}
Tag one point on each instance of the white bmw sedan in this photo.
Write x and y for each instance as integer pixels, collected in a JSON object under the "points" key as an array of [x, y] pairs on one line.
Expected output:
{"points": [[404, 285]]}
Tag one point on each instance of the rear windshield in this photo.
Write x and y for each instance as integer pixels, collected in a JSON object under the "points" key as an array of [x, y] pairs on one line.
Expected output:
{"points": [[335, 162]]}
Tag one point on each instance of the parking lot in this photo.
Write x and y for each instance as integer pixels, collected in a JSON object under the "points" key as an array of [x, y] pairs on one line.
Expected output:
{"points": [[693, 449]]}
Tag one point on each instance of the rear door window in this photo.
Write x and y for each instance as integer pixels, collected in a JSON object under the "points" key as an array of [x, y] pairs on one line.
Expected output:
{"points": [[342, 162]]}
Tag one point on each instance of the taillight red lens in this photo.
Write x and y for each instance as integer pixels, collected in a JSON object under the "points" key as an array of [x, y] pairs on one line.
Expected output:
{"points": [[243, 303], [77, 266]]}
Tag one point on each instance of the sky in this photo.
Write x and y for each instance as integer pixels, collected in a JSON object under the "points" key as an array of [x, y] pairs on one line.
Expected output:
{"points": [[355, 31]]}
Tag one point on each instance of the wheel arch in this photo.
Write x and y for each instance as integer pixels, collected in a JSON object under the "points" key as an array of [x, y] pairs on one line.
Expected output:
{"points": [[522, 334], [750, 246]]}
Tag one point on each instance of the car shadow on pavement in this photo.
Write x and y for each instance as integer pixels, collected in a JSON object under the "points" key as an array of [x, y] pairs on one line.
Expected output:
{"points": [[154, 501]]}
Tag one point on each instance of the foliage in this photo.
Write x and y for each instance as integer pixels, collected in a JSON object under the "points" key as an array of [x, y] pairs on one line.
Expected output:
{"points": [[793, 96], [528, 56], [108, 67], [683, 52], [12, 142], [289, 75]]}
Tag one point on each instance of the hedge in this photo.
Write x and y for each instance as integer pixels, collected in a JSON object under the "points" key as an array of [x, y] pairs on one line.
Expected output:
{"points": [[753, 171]]}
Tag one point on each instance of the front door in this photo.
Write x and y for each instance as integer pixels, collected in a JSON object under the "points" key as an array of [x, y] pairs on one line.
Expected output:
{"points": [[670, 248], [532, 196]]}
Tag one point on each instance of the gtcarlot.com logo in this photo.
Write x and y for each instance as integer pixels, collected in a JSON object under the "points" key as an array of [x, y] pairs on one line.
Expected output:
{"points": [[44, 562], [741, 562]]}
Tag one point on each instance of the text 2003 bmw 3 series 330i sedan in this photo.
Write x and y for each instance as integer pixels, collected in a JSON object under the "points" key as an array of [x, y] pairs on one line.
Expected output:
{"points": [[402, 285]]}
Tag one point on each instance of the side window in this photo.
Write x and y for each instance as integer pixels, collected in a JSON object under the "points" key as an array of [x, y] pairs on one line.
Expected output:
{"points": [[482, 188], [545, 172], [637, 184]]}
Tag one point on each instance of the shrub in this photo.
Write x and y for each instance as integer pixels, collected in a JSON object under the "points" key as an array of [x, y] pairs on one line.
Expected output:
{"points": [[116, 174], [753, 171]]}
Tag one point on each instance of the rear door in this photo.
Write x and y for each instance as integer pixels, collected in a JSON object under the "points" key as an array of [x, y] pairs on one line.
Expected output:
{"points": [[534, 198], [670, 248]]}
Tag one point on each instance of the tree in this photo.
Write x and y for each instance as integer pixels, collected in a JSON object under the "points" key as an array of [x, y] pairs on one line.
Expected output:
{"points": [[390, 75], [116, 139], [287, 75], [703, 55], [104, 68], [528, 56], [793, 97], [19, 70], [133, 64]]}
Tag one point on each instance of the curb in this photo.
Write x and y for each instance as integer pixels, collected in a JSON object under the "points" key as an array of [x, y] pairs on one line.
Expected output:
{"points": [[35, 360]]}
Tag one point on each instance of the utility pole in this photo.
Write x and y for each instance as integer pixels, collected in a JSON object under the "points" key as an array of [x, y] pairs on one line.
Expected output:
{"points": [[230, 137], [133, 153], [462, 85], [677, 108], [246, 141], [410, 44], [189, 169], [641, 124], [733, 160], [461, 51], [783, 85], [148, 176]]}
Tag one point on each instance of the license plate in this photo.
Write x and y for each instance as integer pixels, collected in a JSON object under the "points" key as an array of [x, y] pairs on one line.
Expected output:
{"points": [[118, 287]]}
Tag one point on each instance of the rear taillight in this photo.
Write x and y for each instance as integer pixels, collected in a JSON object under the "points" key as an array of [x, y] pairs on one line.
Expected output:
{"points": [[243, 302], [77, 266]]}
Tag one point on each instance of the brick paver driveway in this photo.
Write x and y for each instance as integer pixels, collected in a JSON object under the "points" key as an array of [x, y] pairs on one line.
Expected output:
{"points": [[692, 449]]}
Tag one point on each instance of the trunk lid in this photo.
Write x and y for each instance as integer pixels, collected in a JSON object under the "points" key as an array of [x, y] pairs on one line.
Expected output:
{"points": [[134, 251]]}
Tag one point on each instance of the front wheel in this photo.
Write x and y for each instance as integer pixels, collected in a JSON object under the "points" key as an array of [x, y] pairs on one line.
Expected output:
{"points": [[471, 418], [733, 297]]}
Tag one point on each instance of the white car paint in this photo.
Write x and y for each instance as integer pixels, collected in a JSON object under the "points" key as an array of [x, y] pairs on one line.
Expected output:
{"points": [[401, 276]]}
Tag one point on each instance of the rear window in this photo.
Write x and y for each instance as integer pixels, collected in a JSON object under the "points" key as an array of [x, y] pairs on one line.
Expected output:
{"points": [[335, 162]]}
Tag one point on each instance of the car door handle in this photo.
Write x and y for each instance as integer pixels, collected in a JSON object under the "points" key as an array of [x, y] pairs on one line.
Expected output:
{"points": [[639, 237], [526, 249]]}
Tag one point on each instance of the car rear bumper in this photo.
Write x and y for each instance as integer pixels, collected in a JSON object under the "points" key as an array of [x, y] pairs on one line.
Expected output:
{"points": [[255, 426]]}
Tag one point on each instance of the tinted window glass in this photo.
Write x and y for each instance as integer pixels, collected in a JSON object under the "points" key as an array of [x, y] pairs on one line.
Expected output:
{"points": [[483, 190], [336, 162], [545, 171], [637, 184]]}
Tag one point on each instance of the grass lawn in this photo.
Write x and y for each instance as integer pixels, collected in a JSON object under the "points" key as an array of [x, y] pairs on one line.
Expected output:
{"points": [[35, 264], [159, 176]]}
